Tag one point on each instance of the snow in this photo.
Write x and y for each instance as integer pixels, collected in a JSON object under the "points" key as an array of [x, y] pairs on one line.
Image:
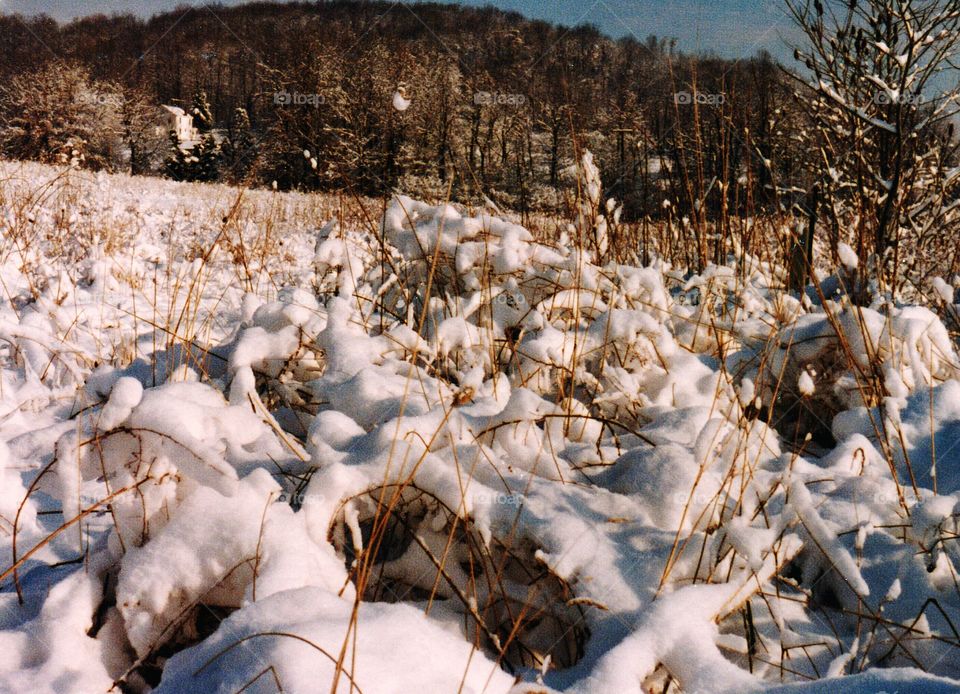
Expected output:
{"points": [[52, 652], [826, 539], [124, 396], [199, 457], [680, 632], [877, 681], [944, 291], [400, 102], [301, 634], [847, 256]]}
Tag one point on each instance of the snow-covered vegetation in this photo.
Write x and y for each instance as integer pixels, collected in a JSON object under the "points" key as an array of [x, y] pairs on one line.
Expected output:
{"points": [[262, 441]]}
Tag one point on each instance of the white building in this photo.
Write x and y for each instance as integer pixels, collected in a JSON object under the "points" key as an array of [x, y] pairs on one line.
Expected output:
{"points": [[181, 123]]}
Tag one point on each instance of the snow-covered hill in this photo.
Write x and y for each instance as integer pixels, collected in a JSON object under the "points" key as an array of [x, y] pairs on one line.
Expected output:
{"points": [[249, 443]]}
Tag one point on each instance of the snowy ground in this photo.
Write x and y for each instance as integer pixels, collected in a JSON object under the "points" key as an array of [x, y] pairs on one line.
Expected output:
{"points": [[223, 419]]}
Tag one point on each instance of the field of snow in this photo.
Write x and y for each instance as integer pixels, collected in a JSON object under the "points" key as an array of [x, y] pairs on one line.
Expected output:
{"points": [[254, 443]]}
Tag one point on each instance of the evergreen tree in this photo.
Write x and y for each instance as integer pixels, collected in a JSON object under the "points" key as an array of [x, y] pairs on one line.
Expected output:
{"points": [[176, 165], [201, 162], [200, 110], [207, 157]]}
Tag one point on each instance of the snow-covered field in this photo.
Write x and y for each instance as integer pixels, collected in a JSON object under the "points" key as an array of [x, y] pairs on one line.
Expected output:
{"points": [[225, 419]]}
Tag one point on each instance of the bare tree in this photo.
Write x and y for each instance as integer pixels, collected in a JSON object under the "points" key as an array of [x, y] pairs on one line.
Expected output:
{"points": [[881, 108], [58, 114], [142, 130]]}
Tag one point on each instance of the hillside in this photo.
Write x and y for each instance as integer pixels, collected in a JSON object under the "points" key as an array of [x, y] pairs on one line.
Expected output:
{"points": [[499, 105]]}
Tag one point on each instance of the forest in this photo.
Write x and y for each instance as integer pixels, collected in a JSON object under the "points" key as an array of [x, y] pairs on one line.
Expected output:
{"points": [[499, 104]]}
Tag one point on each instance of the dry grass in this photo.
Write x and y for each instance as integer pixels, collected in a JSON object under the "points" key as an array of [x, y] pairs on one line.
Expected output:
{"points": [[509, 603]]}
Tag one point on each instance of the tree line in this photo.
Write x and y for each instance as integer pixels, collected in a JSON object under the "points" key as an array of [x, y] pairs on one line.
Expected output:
{"points": [[499, 105]]}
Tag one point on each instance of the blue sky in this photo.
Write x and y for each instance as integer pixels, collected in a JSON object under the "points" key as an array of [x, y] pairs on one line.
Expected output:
{"points": [[732, 28]]}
